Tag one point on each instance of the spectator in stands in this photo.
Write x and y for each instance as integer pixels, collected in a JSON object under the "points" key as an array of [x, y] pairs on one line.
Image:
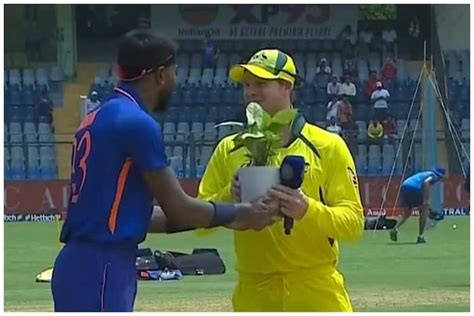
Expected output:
{"points": [[389, 71], [333, 127], [375, 133], [389, 38], [333, 88], [210, 52], [348, 88], [390, 129], [377, 42], [350, 134], [379, 98], [371, 84], [324, 67], [344, 112], [414, 35], [364, 42], [332, 108], [346, 36], [350, 68], [92, 102], [347, 51], [45, 106], [323, 73]]}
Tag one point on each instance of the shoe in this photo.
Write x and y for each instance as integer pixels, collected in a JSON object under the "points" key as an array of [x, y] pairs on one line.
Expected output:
{"points": [[421, 240], [394, 235]]}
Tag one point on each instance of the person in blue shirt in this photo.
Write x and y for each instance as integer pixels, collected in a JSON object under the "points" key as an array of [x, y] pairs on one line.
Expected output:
{"points": [[210, 52], [415, 193], [119, 168]]}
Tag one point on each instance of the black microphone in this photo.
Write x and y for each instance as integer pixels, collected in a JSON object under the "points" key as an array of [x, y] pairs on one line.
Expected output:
{"points": [[291, 175]]}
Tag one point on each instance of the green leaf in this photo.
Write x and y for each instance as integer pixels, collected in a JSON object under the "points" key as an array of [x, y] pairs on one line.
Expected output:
{"points": [[266, 120], [284, 117], [263, 134], [276, 128]]}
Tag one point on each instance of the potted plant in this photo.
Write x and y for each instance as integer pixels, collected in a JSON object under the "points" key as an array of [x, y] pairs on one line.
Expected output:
{"points": [[261, 136]]}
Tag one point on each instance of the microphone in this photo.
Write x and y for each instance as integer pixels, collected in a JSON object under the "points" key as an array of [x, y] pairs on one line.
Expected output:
{"points": [[291, 175]]}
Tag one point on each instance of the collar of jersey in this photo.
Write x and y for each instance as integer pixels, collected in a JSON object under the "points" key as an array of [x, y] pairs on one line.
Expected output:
{"points": [[133, 93], [296, 128]]}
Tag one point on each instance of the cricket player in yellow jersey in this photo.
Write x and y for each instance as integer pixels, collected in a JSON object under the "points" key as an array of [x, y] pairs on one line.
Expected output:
{"points": [[296, 272]]}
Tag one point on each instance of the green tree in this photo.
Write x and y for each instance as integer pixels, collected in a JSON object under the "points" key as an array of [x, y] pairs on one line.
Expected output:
{"points": [[377, 11]]}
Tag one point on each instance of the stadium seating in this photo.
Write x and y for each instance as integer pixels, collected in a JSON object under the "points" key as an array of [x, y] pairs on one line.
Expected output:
{"points": [[206, 96]]}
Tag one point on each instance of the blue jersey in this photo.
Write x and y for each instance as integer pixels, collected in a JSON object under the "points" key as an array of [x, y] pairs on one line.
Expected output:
{"points": [[110, 201], [416, 180]]}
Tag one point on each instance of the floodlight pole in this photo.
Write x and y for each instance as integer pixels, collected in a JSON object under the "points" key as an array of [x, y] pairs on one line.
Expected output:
{"points": [[429, 135]]}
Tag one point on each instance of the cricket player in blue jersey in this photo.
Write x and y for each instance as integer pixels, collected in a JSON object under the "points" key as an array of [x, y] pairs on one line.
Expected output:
{"points": [[415, 193], [119, 167]]}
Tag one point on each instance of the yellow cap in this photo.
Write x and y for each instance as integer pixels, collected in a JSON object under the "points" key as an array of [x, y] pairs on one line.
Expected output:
{"points": [[268, 64]]}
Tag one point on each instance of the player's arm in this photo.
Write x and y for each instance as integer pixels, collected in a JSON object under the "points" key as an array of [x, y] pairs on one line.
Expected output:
{"points": [[180, 210], [142, 142], [186, 213], [340, 214], [427, 191], [215, 184], [157, 221]]}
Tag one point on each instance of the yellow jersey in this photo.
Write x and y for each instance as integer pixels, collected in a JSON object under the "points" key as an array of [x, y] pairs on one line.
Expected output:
{"points": [[375, 131], [334, 207]]}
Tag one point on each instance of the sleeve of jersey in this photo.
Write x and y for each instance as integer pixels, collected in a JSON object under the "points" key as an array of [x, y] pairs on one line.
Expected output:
{"points": [[215, 185], [339, 215], [143, 142]]}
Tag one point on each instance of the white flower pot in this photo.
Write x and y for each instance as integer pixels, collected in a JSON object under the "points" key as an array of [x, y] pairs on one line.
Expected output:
{"points": [[256, 181]]}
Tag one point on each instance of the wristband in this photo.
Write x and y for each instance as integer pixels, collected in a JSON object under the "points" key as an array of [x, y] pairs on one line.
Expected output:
{"points": [[223, 214]]}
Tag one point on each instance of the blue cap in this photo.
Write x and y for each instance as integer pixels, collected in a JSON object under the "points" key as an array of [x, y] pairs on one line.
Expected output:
{"points": [[439, 171]]}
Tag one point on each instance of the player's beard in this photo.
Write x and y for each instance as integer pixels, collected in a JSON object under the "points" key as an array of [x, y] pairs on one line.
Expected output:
{"points": [[163, 101]]}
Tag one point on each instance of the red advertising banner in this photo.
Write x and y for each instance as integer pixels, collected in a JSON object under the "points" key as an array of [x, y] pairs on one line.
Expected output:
{"points": [[43, 197]]}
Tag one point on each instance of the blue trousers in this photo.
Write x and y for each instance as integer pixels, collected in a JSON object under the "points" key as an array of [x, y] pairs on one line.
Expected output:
{"points": [[89, 277]]}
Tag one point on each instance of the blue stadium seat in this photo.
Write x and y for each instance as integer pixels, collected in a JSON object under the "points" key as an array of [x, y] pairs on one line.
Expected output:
{"points": [[48, 169], [16, 96], [321, 96], [6, 94], [187, 97], [214, 97], [7, 171], [227, 96], [361, 164], [214, 115], [174, 98], [172, 114], [30, 95], [34, 172], [309, 95], [199, 114], [307, 111], [30, 114], [17, 170], [238, 96], [185, 114], [319, 112], [201, 97]]}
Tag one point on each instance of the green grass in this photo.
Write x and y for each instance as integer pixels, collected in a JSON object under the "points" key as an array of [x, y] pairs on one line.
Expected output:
{"points": [[380, 275]]}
